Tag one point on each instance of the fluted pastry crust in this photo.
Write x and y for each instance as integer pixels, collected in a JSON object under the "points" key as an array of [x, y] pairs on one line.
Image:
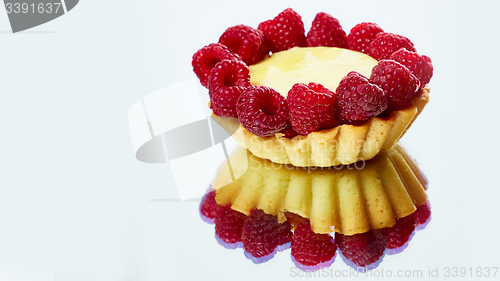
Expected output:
{"points": [[342, 145]]}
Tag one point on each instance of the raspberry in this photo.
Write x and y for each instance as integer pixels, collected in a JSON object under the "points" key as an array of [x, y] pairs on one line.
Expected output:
{"points": [[397, 81], [362, 35], [423, 213], [285, 31], [288, 131], [420, 66], [357, 99], [262, 111], [399, 234], [362, 249], [309, 248], [311, 107], [228, 224], [228, 79], [207, 57], [326, 31], [208, 206], [249, 43], [386, 43], [262, 233], [294, 219]]}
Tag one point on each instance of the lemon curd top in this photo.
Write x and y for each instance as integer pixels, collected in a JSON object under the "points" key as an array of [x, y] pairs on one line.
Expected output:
{"points": [[324, 65]]}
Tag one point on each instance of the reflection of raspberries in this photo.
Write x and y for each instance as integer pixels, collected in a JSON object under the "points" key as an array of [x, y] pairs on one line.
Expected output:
{"points": [[228, 79], [362, 35], [326, 31], [398, 234], [207, 57], [386, 43], [397, 81], [208, 206], [228, 224], [362, 249], [262, 111], [249, 43], [423, 213], [262, 233], [420, 66], [358, 99], [285, 31], [309, 248], [311, 107]]}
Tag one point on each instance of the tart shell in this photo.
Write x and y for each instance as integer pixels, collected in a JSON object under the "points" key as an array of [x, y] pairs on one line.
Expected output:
{"points": [[342, 145]]}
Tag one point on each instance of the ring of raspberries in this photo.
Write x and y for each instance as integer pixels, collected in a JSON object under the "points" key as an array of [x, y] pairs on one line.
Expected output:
{"points": [[222, 67], [262, 234]]}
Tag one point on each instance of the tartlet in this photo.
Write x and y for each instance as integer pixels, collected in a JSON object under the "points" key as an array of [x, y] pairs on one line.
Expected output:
{"points": [[341, 145], [318, 122]]}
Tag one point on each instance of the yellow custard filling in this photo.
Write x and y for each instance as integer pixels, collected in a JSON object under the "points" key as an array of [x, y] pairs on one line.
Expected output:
{"points": [[324, 65]]}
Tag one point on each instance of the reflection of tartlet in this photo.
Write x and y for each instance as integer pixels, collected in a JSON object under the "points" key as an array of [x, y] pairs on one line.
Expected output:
{"points": [[351, 199]]}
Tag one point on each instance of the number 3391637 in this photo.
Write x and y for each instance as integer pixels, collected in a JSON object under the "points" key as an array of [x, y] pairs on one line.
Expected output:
{"points": [[39, 8]]}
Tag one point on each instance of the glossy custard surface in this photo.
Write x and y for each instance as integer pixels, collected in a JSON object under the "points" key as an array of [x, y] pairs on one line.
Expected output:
{"points": [[324, 65]]}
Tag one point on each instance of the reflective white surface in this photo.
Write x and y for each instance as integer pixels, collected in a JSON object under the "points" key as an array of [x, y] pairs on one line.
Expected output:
{"points": [[75, 204]]}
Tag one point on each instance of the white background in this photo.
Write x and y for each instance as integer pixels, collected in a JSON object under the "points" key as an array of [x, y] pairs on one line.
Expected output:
{"points": [[76, 205]]}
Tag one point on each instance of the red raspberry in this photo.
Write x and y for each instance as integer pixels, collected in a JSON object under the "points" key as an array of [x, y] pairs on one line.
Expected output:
{"points": [[249, 43], [228, 79], [357, 99], [386, 43], [326, 31], [208, 206], [309, 248], [285, 31], [423, 213], [262, 111], [294, 219], [228, 224], [207, 57], [262, 233], [420, 66], [397, 81], [288, 131], [399, 234], [311, 107], [362, 35], [362, 249]]}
